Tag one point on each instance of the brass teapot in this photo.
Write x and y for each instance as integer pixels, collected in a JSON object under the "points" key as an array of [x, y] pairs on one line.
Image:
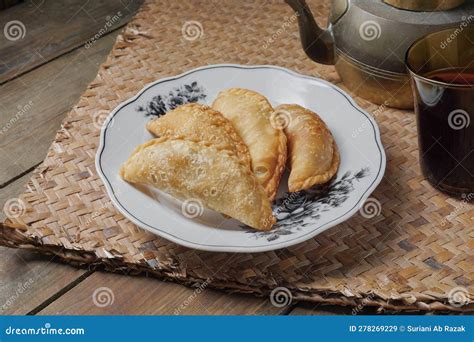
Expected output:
{"points": [[367, 41]]}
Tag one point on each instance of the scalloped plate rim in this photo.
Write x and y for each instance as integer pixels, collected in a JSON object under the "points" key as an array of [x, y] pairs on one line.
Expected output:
{"points": [[240, 249]]}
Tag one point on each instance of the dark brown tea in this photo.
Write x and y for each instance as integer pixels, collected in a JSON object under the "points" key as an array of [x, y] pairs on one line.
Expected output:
{"points": [[445, 117], [453, 76]]}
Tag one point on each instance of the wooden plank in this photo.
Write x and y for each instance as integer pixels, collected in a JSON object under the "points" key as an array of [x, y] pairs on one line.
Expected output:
{"points": [[309, 309], [51, 28], [33, 105], [28, 280], [12, 191], [116, 294]]}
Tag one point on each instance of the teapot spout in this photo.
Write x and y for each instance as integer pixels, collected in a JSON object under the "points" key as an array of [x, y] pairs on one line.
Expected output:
{"points": [[317, 42]]}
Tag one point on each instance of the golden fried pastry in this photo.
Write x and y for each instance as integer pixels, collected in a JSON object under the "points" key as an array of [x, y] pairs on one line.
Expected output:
{"points": [[199, 122], [195, 170], [314, 158], [250, 114]]}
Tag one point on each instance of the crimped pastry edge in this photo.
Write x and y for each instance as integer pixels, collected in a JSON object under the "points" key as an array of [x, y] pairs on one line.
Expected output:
{"points": [[271, 186], [273, 183], [319, 179], [308, 182], [240, 147]]}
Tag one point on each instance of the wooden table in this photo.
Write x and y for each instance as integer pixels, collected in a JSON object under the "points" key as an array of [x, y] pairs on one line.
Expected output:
{"points": [[51, 66]]}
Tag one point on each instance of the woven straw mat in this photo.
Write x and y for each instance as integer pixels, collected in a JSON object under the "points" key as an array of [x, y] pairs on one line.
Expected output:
{"points": [[415, 255]]}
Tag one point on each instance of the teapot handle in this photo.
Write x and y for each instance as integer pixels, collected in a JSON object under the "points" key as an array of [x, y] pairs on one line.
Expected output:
{"points": [[317, 42]]}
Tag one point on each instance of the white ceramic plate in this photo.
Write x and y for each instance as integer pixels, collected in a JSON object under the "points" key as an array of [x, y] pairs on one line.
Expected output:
{"points": [[300, 216]]}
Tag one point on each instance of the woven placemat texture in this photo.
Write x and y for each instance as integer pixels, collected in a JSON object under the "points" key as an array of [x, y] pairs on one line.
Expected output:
{"points": [[416, 254]]}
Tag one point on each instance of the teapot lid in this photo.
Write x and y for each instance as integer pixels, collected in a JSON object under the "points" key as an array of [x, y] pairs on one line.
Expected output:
{"points": [[425, 5], [382, 9]]}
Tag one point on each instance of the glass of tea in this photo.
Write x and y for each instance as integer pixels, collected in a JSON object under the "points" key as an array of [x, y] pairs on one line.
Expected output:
{"points": [[441, 66]]}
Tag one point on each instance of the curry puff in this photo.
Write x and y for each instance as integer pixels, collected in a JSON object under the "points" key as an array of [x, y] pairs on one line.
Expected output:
{"points": [[250, 113], [199, 122], [314, 157], [200, 171]]}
